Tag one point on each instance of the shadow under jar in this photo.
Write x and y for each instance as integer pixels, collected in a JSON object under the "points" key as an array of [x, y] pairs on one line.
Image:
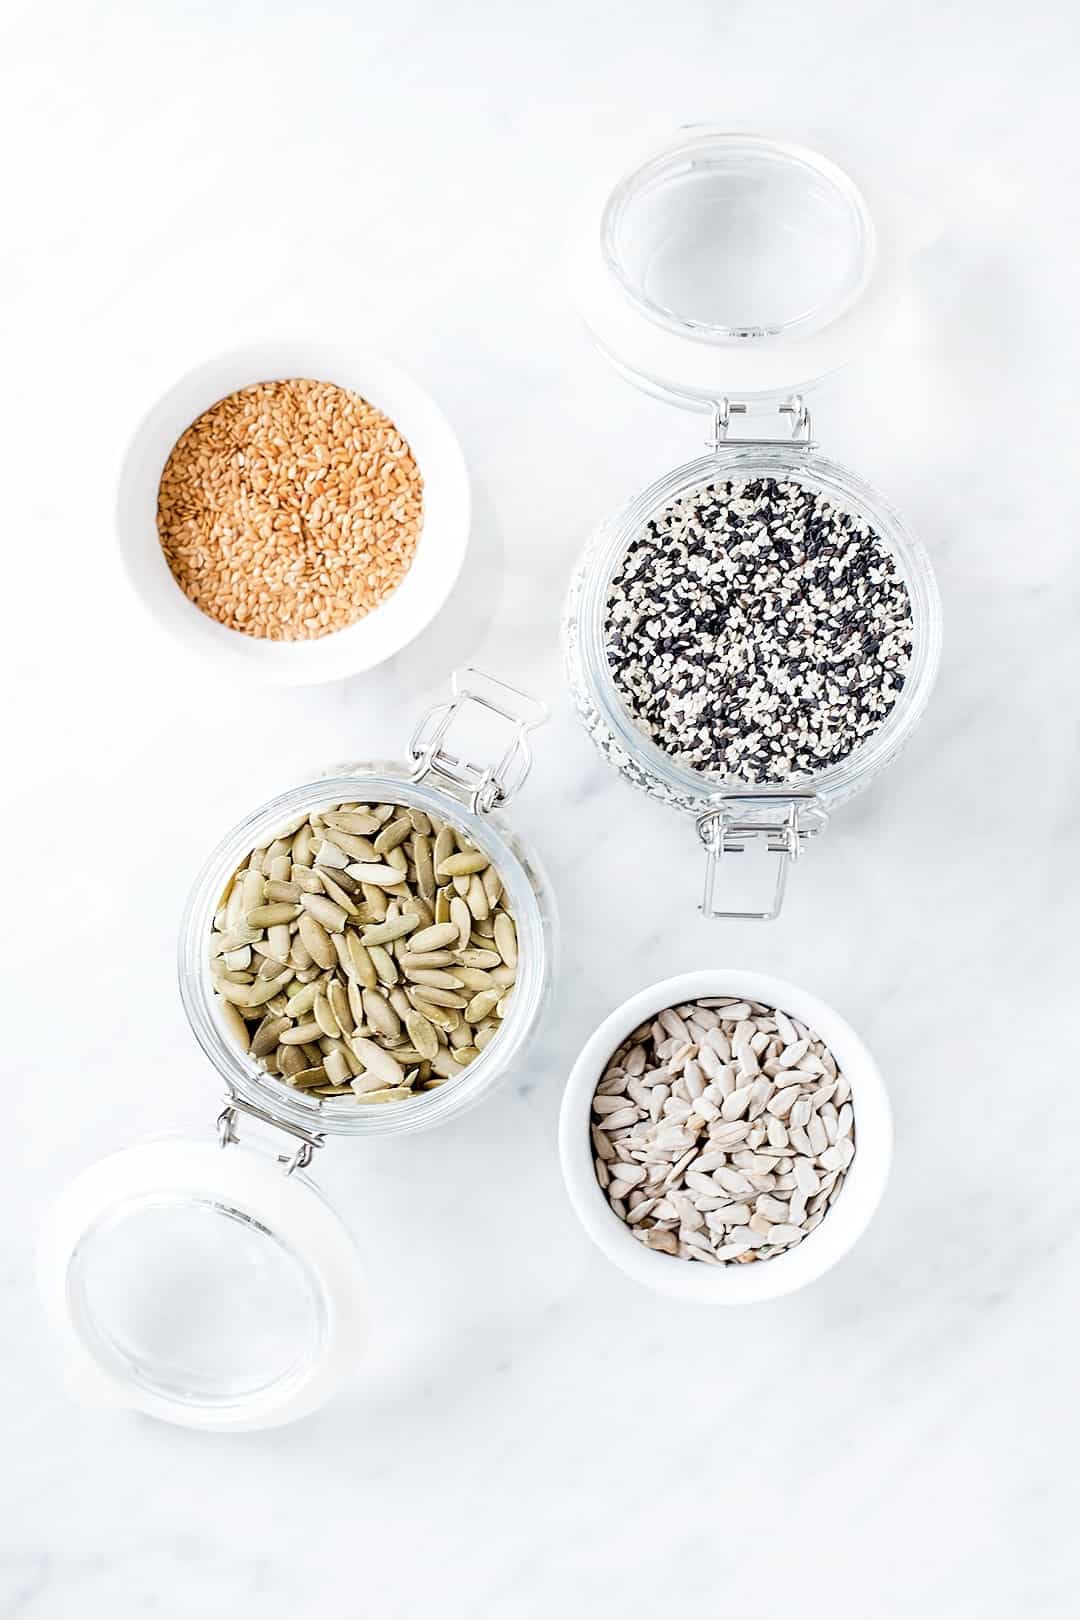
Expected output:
{"points": [[730, 262], [221, 1290]]}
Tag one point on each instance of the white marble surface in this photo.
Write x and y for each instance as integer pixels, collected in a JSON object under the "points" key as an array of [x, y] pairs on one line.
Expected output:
{"points": [[533, 1435]]}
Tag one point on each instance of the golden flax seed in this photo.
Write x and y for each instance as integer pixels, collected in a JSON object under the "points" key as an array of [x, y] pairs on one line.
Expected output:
{"points": [[290, 509]]}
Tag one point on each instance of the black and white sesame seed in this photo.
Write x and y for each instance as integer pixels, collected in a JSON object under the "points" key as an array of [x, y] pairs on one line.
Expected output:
{"points": [[756, 632]]}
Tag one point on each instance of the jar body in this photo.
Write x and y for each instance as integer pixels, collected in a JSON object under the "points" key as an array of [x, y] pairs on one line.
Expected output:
{"points": [[531, 901], [599, 705]]}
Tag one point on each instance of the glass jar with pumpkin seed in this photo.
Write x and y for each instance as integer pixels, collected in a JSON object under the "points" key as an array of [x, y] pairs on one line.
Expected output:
{"points": [[366, 954]]}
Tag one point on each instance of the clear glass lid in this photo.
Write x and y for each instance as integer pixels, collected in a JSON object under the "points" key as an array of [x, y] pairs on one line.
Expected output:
{"points": [[728, 264], [210, 1289], [731, 238]]}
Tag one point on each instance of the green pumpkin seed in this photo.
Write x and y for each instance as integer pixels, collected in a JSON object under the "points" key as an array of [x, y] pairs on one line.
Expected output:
{"points": [[331, 854], [444, 847], [247, 995], [237, 1029], [420, 849], [360, 822], [356, 1003], [475, 979], [283, 891], [339, 1005], [436, 978], [481, 1005], [326, 911], [378, 876], [383, 963], [425, 959], [461, 864], [307, 1078], [393, 928], [461, 916], [506, 938], [303, 1001], [376, 901], [267, 916], [291, 1060], [324, 1017], [340, 895], [316, 939], [393, 834], [437, 996], [435, 938], [378, 1061], [475, 958], [422, 1033], [381, 1015], [307, 881], [266, 1037], [337, 1069], [300, 1034]]}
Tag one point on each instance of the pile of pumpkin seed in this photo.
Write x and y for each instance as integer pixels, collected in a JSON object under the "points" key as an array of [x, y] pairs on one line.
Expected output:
{"points": [[368, 951]]}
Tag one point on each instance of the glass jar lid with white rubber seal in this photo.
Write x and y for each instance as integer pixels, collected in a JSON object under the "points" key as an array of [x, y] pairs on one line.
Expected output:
{"points": [[209, 1282], [753, 637]]}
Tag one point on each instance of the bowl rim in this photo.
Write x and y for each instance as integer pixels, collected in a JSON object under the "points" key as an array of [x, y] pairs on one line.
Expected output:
{"points": [[410, 608], [821, 1249]]}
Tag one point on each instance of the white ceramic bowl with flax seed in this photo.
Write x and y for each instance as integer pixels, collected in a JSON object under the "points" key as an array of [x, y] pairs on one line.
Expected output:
{"points": [[846, 1218], [387, 628]]}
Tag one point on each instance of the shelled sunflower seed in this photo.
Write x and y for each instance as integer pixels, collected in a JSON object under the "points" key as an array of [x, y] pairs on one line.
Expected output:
{"points": [[367, 952], [722, 1131]]}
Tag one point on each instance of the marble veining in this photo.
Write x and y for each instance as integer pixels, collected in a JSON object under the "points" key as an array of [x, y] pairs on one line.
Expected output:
{"points": [[532, 1435]]}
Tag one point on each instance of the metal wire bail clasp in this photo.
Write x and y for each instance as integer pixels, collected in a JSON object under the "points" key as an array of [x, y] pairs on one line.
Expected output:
{"points": [[440, 755], [795, 407], [738, 819], [307, 1141]]}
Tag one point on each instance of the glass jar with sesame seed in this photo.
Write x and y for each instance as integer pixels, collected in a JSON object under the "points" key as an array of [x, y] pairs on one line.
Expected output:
{"points": [[753, 637], [386, 926]]}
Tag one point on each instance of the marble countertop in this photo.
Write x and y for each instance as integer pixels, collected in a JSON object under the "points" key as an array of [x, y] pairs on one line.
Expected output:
{"points": [[532, 1433]]}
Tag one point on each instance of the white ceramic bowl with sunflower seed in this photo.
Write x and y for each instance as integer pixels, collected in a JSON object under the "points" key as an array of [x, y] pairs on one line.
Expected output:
{"points": [[730, 1282], [386, 628]]}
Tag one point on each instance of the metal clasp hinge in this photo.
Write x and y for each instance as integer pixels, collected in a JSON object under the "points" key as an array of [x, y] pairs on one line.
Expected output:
{"points": [[783, 824], [487, 785], [308, 1140], [795, 407]]}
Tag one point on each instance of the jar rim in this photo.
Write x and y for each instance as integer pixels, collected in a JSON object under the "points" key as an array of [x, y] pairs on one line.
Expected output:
{"points": [[743, 157], [383, 783], [693, 789]]}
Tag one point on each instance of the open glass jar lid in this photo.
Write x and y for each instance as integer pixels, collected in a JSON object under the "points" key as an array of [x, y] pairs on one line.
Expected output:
{"points": [[219, 1289], [731, 264], [753, 637]]}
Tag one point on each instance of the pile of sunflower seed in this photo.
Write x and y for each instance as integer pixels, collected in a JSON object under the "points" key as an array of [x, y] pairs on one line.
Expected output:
{"points": [[368, 951], [756, 632], [722, 1131]]}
